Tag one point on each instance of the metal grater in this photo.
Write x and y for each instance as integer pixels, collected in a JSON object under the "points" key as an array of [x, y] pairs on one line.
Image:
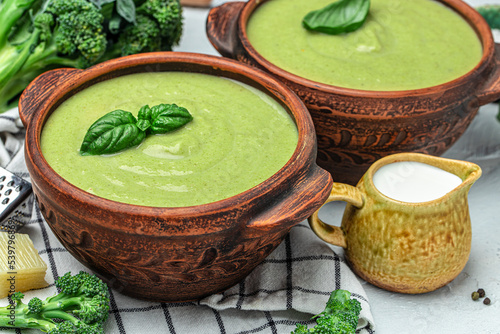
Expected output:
{"points": [[15, 201]]}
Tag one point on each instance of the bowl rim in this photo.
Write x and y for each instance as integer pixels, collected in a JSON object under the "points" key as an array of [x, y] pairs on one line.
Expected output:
{"points": [[298, 162], [471, 16]]}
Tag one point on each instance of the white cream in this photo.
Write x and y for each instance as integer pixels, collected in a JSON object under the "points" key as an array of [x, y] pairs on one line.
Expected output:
{"points": [[414, 182]]}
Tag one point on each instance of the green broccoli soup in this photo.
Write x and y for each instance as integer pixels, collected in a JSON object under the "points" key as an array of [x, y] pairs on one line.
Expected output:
{"points": [[404, 44], [238, 137]]}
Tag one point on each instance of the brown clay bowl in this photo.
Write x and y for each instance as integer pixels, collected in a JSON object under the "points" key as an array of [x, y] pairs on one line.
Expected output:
{"points": [[356, 127], [172, 254]]}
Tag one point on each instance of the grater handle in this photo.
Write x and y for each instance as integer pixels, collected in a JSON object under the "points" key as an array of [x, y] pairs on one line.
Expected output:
{"points": [[15, 201], [39, 90]]}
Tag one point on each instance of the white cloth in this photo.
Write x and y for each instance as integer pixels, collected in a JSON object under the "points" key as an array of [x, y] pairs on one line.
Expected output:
{"points": [[289, 286]]}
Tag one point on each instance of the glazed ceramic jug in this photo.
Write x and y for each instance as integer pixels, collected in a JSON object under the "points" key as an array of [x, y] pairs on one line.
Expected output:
{"points": [[403, 246]]}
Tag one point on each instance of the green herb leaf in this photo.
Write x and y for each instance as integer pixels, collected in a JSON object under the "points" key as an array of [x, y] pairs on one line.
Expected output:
{"points": [[100, 3], [119, 129], [112, 133], [339, 17], [167, 117], [144, 118], [126, 9]]}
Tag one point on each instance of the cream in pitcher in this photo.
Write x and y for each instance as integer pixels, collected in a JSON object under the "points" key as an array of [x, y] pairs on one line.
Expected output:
{"points": [[406, 227], [413, 182]]}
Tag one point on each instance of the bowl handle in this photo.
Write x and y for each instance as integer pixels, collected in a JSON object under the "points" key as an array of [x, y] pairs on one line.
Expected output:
{"points": [[295, 206], [334, 234], [39, 90], [490, 91], [222, 27]]}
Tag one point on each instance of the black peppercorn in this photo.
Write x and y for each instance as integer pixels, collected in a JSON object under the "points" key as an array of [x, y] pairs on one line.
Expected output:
{"points": [[486, 301], [481, 293]]}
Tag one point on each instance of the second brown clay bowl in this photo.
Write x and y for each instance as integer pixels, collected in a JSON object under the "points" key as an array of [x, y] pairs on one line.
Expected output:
{"points": [[162, 253], [356, 127]]}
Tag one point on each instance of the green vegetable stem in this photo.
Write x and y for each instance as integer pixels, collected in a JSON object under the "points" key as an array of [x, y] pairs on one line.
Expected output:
{"points": [[119, 129], [340, 316], [39, 35], [82, 307], [342, 16]]}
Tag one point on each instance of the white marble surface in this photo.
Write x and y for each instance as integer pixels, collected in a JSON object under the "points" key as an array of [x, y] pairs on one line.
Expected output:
{"points": [[449, 309]]}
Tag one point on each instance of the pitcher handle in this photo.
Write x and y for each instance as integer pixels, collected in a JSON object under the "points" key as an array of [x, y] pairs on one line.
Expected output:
{"points": [[222, 27], [334, 234], [40, 89], [490, 91]]}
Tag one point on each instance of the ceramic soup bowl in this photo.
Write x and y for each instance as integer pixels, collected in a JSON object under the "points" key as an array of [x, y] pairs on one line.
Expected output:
{"points": [[166, 253], [357, 127]]}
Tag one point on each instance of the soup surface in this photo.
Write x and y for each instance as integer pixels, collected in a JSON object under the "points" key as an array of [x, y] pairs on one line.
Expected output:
{"points": [[402, 45], [238, 138]]}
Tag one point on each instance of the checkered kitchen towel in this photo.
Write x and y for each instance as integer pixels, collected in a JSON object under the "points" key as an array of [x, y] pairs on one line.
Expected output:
{"points": [[290, 286]]}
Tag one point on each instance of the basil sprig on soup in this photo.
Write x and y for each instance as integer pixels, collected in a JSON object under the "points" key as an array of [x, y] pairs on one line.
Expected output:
{"points": [[119, 129], [339, 17]]}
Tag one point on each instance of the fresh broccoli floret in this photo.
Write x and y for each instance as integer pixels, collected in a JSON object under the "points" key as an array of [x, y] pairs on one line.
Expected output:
{"points": [[17, 296], [491, 14], [35, 305], [166, 14], [56, 33], [76, 34], [157, 26], [144, 36], [340, 316], [81, 307], [39, 35]]}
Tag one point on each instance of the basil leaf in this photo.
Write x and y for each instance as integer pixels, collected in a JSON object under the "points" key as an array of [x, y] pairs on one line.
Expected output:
{"points": [[126, 9], [144, 117], [166, 117], [100, 3], [119, 129], [112, 133], [339, 17]]}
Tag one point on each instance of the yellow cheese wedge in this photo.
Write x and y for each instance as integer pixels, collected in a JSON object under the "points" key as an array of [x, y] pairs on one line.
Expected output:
{"points": [[21, 267]]}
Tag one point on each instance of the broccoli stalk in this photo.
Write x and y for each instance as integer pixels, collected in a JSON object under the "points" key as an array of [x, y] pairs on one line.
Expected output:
{"points": [[81, 307], [59, 33], [39, 35], [340, 316]]}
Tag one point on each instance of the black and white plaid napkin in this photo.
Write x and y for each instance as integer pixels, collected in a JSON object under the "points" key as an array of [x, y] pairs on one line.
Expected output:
{"points": [[290, 286]]}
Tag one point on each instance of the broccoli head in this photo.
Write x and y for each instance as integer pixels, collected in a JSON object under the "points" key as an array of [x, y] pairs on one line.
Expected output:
{"points": [[340, 316], [79, 30], [81, 307], [40, 35], [491, 14], [144, 36], [45, 35], [157, 26], [168, 16]]}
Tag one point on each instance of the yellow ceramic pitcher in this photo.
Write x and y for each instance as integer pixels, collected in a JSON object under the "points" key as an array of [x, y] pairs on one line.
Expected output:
{"points": [[402, 246]]}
